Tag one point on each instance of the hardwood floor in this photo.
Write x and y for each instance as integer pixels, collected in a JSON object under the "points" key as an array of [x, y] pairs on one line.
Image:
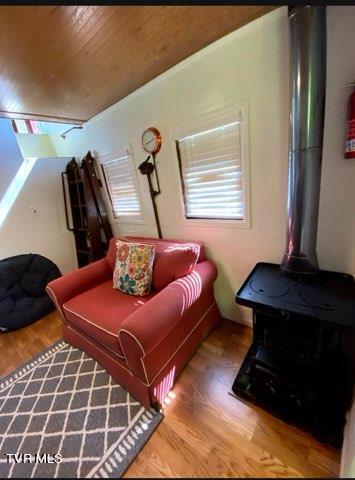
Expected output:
{"points": [[21, 345], [206, 431]]}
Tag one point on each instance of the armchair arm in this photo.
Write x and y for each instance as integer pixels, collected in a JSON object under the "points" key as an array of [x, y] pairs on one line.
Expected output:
{"points": [[73, 283], [147, 328]]}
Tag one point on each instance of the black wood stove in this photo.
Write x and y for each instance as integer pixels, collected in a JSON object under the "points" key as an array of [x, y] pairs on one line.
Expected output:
{"points": [[296, 367]]}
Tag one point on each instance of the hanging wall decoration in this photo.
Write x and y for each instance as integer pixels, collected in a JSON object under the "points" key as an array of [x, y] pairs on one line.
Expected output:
{"points": [[151, 142]]}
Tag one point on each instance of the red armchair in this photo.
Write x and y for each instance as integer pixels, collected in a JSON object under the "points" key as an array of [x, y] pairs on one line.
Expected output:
{"points": [[143, 342]]}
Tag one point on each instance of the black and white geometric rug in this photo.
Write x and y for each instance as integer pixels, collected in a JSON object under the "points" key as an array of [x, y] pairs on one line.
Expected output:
{"points": [[62, 415]]}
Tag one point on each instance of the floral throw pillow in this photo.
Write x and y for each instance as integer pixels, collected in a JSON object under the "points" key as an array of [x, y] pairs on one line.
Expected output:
{"points": [[134, 268]]}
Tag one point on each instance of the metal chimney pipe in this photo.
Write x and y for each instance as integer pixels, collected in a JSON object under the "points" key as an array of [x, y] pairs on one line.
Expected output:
{"points": [[308, 42]]}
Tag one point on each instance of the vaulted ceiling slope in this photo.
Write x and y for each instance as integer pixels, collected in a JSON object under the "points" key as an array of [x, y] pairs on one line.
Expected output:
{"points": [[68, 63]]}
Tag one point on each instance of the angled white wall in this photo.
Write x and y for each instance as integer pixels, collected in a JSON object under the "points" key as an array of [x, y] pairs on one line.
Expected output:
{"points": [[22, 231]]}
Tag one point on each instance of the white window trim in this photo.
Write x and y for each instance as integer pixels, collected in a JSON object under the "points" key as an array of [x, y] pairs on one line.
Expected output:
{"points": [[118, 220], [211, 119]]}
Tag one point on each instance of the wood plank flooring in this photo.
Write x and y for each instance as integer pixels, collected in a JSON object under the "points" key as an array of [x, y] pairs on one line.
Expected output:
{"points": [[206, 431], [19, 346]]}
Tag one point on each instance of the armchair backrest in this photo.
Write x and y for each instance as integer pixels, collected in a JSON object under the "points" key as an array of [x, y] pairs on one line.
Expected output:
{"points": [[160, 245], [169, 263]]}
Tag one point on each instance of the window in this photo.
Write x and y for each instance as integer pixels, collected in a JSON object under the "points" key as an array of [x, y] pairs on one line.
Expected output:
{"points": [[121, 186], [26, 126], [211, 170]]}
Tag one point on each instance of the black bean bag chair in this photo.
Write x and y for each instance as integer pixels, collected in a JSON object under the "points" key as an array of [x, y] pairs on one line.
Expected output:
{"points": [[23, 298]]}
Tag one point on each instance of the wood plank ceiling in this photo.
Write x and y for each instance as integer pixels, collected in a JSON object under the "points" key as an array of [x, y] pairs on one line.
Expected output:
{"points": [[68, 63]]}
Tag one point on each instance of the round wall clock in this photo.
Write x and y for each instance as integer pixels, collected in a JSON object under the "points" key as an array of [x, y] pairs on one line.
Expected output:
{"points": [[151, 140]]}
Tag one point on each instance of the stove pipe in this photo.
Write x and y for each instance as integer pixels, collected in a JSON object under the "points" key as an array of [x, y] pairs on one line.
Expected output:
{"points": [[308, 48]]}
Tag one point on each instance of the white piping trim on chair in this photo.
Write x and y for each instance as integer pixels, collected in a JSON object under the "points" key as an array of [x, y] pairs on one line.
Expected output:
{"points": [[136, 339], [95, 325], [140, 345], [178, 348], [94, 345], [129, 370], [56, 302], [181, 344]]}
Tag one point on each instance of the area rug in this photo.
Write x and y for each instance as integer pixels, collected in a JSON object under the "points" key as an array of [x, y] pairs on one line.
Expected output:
{"points": [[64, 416]]}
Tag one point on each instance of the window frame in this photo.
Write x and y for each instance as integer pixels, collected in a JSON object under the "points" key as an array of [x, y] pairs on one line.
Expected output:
{"points": [[212, 119], [29, 126], [107, 155]]}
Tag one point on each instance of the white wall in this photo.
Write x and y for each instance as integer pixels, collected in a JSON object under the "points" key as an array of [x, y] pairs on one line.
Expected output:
{"points": [[44, 233], [250, 64], [336, 232]]}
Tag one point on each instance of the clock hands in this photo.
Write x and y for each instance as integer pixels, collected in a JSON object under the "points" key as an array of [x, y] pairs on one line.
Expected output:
{"points": [[150, 141]]}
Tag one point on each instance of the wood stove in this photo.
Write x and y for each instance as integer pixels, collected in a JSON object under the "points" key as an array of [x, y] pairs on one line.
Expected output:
{"points": [[296, 367]]}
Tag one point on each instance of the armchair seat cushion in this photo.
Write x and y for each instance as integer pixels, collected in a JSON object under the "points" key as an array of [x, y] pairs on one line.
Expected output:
{"points": [[99, 312]]}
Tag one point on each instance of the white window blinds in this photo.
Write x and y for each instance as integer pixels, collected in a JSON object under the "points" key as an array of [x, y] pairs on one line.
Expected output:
{"points": [[212, 173], [122, 187]]}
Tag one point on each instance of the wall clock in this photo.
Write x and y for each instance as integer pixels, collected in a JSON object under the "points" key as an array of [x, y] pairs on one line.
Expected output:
{"points": [[151, 140]]}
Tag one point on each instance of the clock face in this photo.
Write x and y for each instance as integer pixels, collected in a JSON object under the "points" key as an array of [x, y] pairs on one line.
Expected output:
{"points": [[151, 140]]}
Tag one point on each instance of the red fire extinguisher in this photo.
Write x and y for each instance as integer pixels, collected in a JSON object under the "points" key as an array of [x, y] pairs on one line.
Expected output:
{"points": [[350, 134]]}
